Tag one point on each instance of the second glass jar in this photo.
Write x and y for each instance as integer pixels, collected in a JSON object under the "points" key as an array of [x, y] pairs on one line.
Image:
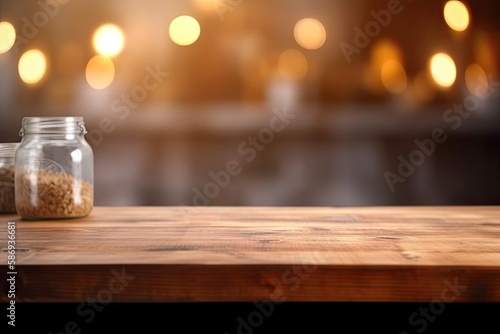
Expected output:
{"points": [[7, 191]]}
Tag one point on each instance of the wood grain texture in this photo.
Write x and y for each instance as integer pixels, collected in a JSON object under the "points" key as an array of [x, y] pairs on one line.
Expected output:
{"points": [[410, 254]]}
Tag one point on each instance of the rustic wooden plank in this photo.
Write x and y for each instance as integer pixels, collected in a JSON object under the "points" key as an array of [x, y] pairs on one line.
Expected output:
{"points": [[244, 253], [188, 283]]}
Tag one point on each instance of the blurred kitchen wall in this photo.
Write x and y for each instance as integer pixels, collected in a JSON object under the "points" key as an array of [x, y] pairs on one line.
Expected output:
{"points": [[253, 102]]}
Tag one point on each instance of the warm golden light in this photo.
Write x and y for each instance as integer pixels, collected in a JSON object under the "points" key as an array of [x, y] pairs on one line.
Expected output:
{"points": [[476, 80], [292, 64], [383, 50], [32, 66], [393, 76], [100, 72], [184, 30], [108, 40], [456, 15], [443, 69], [310, 33], [7, 36]]}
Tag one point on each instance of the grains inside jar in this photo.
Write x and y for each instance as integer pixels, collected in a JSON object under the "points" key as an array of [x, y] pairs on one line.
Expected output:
{"points": [[52, 195], [7, 190]]}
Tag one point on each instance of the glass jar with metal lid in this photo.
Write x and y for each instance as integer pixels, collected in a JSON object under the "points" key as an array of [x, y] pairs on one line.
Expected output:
{"points": [[54, 169], [7, 191]]}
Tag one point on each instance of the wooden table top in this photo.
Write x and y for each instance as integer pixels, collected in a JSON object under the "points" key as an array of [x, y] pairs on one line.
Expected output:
{"points": [[387, 254]]}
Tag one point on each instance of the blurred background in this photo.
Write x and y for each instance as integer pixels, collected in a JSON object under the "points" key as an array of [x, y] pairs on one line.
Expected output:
{"points": [[266, 102]]}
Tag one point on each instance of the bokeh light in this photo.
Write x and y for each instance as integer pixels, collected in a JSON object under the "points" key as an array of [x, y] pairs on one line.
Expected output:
{"points": [[443, 69], [393, 76], [100, 72], [32, 66], [309, 33], [292, 64], [456, 15], [184, 30], [476, 80], [108, 40], [383, 50], [7, 36]]}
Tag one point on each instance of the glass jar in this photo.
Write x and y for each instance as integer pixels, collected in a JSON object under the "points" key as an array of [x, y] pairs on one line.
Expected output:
{"points": [[7, 190], [54, 169]]}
